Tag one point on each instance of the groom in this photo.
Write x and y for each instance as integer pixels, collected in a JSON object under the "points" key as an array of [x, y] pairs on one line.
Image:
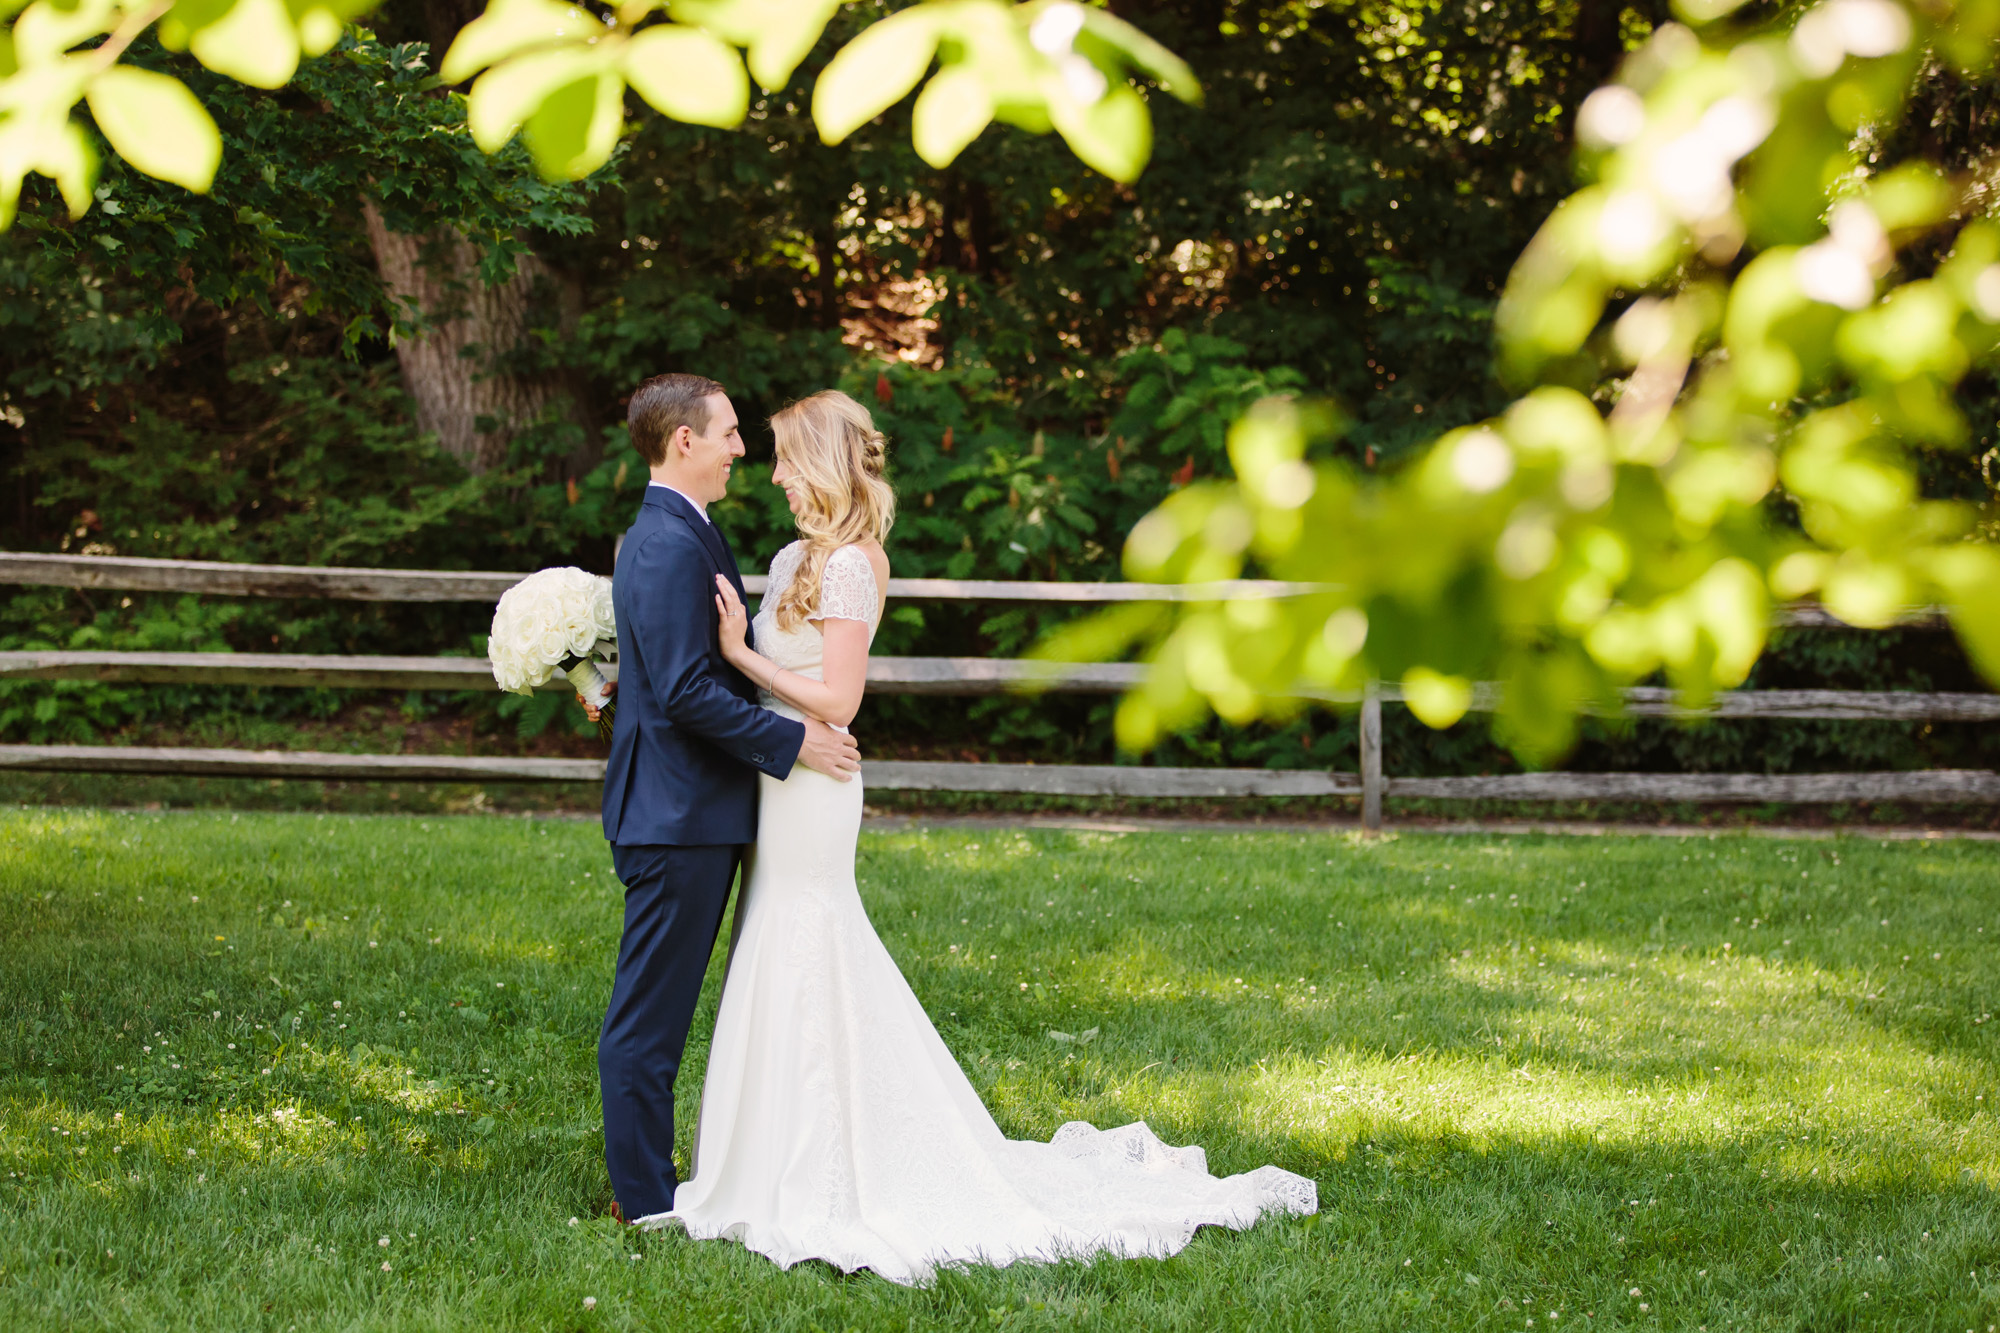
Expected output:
{"points": [[680, 788]]}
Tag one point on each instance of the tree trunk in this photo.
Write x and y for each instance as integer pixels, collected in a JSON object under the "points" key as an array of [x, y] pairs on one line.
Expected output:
{"points": [[455, 368]]}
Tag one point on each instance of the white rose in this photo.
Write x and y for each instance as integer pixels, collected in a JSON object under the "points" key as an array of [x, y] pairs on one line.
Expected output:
{"points": [[548, 616]]}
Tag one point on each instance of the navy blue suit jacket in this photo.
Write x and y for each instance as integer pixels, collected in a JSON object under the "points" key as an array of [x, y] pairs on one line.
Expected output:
{"points": [[689, 736]]}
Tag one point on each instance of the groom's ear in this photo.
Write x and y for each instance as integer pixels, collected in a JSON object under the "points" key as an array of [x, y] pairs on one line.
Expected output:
{"points": [[679, 441]]}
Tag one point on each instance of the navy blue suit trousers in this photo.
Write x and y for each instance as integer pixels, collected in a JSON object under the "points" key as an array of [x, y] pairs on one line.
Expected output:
{"points": [[674, 898], [680, 804]]}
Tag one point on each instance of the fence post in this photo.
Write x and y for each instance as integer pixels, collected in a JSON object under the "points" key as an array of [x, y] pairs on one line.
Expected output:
{"points": [[1371, 758]]}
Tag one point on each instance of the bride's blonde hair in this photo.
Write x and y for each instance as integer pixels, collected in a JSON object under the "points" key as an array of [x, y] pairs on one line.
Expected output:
{"points": [[830, 443]]}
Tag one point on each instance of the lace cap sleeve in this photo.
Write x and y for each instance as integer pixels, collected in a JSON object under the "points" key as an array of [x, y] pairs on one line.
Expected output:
{"points": [[847, 588]]}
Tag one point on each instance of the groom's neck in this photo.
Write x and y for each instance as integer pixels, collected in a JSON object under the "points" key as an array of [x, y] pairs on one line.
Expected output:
{"points": [[682, 487]]}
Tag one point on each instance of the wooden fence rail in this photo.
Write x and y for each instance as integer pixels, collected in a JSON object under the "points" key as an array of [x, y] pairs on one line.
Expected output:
{"points": [[925, 675], [886, 675], [1937, 786], [222, 579], [917, 675], [133, 574]]}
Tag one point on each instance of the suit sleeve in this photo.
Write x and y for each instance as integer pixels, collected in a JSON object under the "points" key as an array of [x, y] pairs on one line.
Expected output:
{"points": [[674, 630]]}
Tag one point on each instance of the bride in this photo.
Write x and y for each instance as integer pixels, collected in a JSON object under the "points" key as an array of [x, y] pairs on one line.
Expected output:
{"points": [[834, 1123]]}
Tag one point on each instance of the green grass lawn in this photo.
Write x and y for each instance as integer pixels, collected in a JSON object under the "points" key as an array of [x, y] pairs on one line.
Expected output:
{"points": [[316, 1072]]}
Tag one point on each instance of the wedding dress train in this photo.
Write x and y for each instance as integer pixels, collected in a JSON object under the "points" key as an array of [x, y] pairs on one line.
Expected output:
{"points": [[835, 1124]]}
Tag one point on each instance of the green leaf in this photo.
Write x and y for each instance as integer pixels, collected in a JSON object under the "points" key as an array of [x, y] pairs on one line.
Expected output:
{"points": [[687, 74], [321, 22], [950, 112], [511, 26], [872, 72], [44, 139], [778, 33], [574, 130], [780, 46], [1970, 576], [155, 123], [1103, 637], [1144, 54], [508, 94], [45, 31], [1113, 134], [253, 42], [1436, 699]]}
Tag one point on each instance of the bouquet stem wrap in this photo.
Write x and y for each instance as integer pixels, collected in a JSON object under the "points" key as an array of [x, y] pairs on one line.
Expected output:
{"points": [[595, 690]]}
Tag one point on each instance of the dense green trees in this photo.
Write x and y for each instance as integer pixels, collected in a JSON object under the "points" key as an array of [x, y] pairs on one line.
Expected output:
{"points": [[1051, 352]]}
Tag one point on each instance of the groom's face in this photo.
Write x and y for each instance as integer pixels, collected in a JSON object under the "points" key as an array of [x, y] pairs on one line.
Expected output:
{"points": [[710, 454]]}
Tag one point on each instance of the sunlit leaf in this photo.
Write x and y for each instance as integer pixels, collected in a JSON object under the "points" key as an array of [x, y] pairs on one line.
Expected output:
{"points": [[1436, 699], [320, 22], [949, 114], [67, 158], [871, 73], [511, 26], [1970, 577], [685, 73], [573, 131], [1144, 54], [1865, 592], [1097, 638], [1113, 134], [779, 46], [505, 96], [157, 125], [44, 31], [1734, 611], [254, 42], [778, 33]]}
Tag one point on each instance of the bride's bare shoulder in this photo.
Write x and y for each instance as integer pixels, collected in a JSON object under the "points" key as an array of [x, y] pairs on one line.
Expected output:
{"points": [[878, 560]]}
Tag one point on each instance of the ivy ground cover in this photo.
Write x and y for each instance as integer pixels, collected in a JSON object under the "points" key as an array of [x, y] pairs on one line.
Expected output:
{"points": [[264, 1071]]}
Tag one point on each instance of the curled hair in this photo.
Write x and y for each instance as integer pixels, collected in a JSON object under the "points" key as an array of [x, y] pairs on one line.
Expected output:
{"points": [[830, 443]]}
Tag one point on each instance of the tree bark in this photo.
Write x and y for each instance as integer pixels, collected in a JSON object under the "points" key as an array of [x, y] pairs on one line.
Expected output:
{"points": [[455, 368]]}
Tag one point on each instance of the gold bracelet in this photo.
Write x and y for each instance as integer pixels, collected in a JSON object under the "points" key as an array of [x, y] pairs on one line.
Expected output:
{"points": [[772, 688]]}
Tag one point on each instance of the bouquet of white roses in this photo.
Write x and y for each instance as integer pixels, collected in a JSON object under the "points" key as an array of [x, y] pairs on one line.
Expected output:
{"points": [[550, 624]]}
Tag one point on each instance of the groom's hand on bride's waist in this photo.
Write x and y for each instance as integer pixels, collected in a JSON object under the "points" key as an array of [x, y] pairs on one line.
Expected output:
{"points": [[831, 752]]}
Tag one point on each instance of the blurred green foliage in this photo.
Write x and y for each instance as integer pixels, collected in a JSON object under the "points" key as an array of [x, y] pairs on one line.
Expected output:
{"points": [[1747, 300]]}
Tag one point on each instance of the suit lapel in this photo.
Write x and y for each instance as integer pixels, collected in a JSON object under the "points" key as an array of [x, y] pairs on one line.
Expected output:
{"points": [[705, 532], [719, 549], [728, 558]]}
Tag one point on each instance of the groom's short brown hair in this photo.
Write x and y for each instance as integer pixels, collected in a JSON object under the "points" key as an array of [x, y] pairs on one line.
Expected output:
{"points": [[661, 406]]}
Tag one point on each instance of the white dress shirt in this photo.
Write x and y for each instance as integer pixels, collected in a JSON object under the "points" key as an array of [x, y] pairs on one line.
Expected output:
{"points": [[699, 507]]}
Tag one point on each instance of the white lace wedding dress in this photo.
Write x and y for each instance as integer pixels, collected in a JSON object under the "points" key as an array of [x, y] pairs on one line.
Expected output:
{"points": [[834, 1123]]}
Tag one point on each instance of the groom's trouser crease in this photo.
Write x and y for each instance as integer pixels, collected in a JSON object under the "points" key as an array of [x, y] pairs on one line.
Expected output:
{"points": [[674, 900]]}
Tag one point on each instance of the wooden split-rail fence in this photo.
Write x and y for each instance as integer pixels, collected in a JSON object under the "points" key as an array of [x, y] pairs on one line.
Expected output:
{"points": [[912, 675]]}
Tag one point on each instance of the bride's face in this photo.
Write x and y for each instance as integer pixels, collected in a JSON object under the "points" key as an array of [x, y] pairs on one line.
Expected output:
{"points": [[794, 486]]}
